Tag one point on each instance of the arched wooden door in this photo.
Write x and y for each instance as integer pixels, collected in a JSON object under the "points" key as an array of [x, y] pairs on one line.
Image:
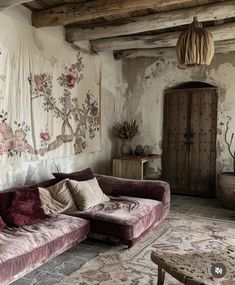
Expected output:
{"points": [[189, 140]]}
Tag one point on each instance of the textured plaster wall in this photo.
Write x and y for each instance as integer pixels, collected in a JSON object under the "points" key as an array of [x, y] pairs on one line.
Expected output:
{"points": [[133, 89], [34, 171], [147, 78]]}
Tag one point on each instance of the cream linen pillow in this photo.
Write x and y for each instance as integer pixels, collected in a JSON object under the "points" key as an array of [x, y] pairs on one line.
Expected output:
{"points": [[87, 193], [49, 204], [57, 198]]}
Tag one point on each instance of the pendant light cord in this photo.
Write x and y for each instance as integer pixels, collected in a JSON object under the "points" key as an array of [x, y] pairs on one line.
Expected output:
{"points": [[195, 18]]}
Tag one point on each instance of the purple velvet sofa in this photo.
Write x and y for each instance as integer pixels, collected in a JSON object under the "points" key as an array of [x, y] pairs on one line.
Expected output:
{"points": [[135, 207], [24, 248]]}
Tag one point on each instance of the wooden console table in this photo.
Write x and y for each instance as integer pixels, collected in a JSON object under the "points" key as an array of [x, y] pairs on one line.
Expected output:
{"points": [[133, 167]]}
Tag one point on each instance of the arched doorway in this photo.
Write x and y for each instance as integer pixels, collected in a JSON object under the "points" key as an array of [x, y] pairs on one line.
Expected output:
{"points": [[189, 138]]}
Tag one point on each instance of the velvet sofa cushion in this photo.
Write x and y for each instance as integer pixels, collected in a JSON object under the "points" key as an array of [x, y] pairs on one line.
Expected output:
{"points": [[82, 175], [57, 198], [26, 208], [2, 224], [27, 247], [5, 204], [87, 193], [123, 219], [149, 189]]}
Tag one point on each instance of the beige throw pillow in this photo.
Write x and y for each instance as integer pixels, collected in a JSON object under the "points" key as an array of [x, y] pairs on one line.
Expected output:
{"points": [[49, 204], [87, 193], [57, 198]]}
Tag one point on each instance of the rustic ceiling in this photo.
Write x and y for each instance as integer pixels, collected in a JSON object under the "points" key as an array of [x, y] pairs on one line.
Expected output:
{"points": [[120, 25], [120, 17]]}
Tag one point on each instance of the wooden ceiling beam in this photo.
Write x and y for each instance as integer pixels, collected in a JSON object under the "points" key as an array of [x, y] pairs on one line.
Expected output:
{"points": [[5, 4], [154, 52], [88, 11], [220, 33], [220, 47], [155, 22]]}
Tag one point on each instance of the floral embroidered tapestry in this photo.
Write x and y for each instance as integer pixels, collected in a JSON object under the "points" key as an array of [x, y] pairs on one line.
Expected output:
{"points": [[49, 98]]}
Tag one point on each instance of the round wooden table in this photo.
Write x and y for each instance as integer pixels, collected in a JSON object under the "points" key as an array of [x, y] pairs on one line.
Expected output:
{"points": [[195, 268]]}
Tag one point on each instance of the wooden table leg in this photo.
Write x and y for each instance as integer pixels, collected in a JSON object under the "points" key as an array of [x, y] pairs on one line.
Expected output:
{"points": [[161, 276]]}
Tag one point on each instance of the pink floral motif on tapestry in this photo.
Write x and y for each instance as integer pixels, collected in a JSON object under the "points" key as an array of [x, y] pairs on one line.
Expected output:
{"points": [[79, 120], [79, 145], [63, 114], [71, 79], [45, 136], [42, 84], [13, 143], [94, 111], [5, 129], [2, 148], [20, 134], [39, 80]]}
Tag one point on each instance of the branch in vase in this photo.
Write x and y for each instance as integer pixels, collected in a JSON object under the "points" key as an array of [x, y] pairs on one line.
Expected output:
{"points": [[229, 144]]}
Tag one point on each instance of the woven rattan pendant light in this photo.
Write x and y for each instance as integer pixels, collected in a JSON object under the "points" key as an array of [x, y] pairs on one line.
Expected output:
{"points": [[195, 46]]}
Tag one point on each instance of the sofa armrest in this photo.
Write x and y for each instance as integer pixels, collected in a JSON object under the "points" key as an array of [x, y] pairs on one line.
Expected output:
{"points": [[149, 189]]}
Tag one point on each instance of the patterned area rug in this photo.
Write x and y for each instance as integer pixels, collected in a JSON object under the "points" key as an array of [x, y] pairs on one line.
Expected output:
{"points": [[178, 234]]}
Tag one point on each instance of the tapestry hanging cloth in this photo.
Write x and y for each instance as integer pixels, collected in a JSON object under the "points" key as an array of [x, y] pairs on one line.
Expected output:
{"points": [[49, 96]]}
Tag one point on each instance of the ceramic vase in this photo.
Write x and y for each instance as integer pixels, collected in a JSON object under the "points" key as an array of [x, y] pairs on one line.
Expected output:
{"points": [[226, 191], [126, 147]]}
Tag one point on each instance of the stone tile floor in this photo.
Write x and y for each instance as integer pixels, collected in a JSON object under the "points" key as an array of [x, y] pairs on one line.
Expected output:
{"points": [[66, 263], [210, 208]]}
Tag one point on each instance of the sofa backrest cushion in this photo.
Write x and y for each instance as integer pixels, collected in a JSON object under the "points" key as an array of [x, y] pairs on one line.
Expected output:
{"points": [[2, 224], [25, 208], [87, 194], [82, 175], [48, 183], [5, 204]]}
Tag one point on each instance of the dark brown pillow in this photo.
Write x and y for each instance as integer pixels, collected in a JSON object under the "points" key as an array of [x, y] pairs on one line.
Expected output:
{"points": [[25, 208], [82, 175]]}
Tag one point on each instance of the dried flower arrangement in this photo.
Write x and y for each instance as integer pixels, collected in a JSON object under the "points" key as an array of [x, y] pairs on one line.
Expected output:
{"points": [[126, 130]]}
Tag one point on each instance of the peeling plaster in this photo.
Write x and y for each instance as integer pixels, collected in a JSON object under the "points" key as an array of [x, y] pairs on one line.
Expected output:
{"points": [[133, 89], [147, 78]]}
